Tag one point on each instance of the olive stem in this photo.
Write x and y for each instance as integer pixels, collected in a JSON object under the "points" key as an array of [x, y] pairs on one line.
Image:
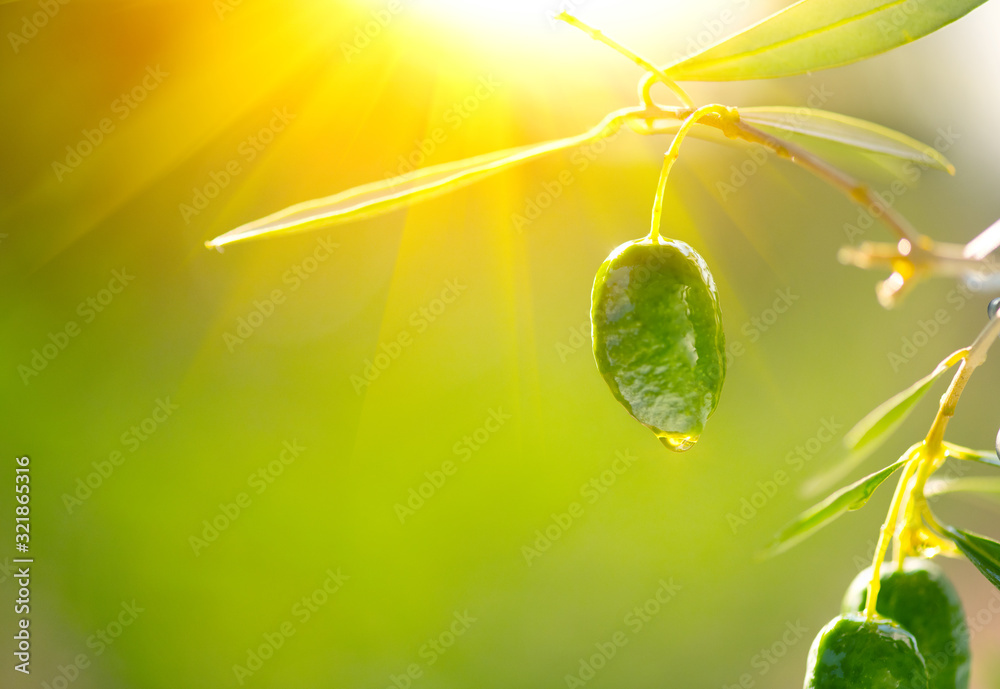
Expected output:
{"points": [[974, 357], [673, 152], [855, 190], [731, 125], [916, 251], [888, 529], [929, 456], [912, 257], [729, 121]]}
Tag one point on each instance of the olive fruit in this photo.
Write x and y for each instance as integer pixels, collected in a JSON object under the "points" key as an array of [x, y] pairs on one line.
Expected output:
{"points": [[658, 337], [852, 652], [922, 600]]}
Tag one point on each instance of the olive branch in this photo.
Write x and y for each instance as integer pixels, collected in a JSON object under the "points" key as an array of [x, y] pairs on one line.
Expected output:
{"points": [[802, 38], [793, 41]]}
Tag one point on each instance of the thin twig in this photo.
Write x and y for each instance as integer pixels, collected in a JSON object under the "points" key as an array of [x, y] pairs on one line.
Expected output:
{"points": [[598, 35]]}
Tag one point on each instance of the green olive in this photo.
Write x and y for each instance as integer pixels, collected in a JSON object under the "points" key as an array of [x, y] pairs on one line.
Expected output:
{"points": [[658, 338], [922, 600], [852, 652]]}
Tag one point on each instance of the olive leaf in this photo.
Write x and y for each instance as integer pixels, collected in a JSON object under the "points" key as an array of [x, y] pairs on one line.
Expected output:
{"points": [[846, 499], [982, 456], [973, 484], [851, 131], [381, 197], [983, 552], [816, 34], [873, 430]]}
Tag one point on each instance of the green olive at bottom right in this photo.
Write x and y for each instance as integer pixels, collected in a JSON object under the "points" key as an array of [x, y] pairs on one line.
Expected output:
{"points": [[921, 599], [853, 652]]}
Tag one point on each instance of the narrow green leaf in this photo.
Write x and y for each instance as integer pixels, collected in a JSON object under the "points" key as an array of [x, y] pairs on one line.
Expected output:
{"points": [[816, 34], [886, 418], [873, 430], [381, 197], [974, 484], [851, 131], [983, 552], [846, 499], [982, 456]]}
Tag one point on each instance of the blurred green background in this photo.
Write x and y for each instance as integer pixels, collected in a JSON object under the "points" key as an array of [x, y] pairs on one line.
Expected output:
{"points": [[314, 574]]}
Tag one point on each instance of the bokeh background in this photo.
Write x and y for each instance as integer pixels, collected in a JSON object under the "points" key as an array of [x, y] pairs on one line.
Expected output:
{"points": [[190, 91]]}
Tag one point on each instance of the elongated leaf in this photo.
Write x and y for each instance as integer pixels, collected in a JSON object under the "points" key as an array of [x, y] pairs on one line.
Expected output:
{"points": [[886, 417], [983, 552], [851, 131], [846, 499], [982, 456], [817, 34], [873, 430], [381, 197], [973, 484]]}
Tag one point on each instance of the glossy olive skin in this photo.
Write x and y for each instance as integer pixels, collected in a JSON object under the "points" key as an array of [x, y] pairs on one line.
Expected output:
{"points": [[924, 602], [851, 652], [658, 337]]}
